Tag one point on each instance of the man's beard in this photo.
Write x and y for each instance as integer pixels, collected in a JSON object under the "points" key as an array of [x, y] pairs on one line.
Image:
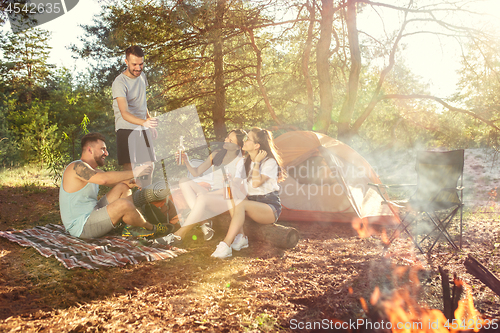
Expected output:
{"points": [[99, 160], [135, 73]]}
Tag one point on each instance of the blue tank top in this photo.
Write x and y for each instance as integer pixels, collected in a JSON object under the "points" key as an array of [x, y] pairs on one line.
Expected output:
{"points": [[76, 207]]}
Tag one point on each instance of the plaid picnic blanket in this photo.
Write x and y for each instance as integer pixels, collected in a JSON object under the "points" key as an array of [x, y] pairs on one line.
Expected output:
{"points": [[109, 251]]}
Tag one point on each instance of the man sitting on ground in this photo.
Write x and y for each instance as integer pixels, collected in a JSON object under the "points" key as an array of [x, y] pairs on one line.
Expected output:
{"points": [[85, 217]]}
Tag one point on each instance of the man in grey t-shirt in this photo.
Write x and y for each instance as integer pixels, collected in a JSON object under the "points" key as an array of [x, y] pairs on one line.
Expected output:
{"points": [[131, 110]]}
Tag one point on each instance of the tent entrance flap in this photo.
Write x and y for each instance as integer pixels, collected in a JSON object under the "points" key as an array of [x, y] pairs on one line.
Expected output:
{"points": [[336, 166]]}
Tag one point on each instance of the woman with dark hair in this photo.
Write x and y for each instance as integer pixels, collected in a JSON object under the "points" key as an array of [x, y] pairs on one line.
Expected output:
{"points": [[204, 202], [259, 174]]}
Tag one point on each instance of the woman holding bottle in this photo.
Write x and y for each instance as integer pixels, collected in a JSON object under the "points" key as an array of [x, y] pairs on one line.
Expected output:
{"points": [[204, 202], [258, 174]]}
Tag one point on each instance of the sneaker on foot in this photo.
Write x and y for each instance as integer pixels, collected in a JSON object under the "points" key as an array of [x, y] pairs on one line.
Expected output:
{"points": [[222, 251], [240, 242], [170, 239], [126, 231], [131, 231], [207, 230], [161, 229]]}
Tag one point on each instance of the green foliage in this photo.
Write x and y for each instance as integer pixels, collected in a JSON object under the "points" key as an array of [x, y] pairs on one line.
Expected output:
{"points": [[395, 123], [25, 65], [479, 92], [181, 65], [55, 161], [9, 148], [44, 112]]}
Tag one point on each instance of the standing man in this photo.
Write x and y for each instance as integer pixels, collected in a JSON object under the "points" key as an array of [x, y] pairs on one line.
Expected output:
{"points": [[130, 109], [85, 217]]}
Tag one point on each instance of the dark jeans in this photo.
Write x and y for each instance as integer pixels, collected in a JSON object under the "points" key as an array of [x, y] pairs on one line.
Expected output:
{"points": [[139, 152]]}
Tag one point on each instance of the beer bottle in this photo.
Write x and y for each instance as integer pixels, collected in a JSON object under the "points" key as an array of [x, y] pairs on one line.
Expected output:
{"points": [[180, 151], [228, 195]]}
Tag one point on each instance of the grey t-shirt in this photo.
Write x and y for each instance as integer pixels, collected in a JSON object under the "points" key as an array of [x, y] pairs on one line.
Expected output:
{"points": [[134, 90]]}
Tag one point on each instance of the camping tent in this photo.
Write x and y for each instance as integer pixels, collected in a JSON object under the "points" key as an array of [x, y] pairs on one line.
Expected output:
{"points": [[327, 181]]}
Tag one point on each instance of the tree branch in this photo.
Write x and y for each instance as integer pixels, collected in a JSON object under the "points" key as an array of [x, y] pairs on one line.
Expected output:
{"points": [[383, 74], [443, 103], [262, 88]]}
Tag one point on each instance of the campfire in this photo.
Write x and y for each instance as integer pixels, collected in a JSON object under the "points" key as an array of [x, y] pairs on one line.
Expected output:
{"points": [[399, 310], [406, 315]]}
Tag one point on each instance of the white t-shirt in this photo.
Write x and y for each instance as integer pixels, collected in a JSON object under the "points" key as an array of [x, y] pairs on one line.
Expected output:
{"points": [[218, 177], [268, 168]]}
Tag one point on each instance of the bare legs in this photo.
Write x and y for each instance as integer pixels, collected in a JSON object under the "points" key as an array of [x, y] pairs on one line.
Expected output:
{"points": [[191, 190], [201, 201], [121, 207], [257, 211]]}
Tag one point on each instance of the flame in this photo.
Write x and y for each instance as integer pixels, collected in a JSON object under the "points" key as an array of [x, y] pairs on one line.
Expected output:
{"points": [[469, 318], [405, 315], [399, 271], [362, 227], [375, 296], [384, 238], [363, 304]]}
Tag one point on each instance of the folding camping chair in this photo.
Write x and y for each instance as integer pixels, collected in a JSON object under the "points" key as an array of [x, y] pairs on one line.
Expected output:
{"points": [[438, 198]]}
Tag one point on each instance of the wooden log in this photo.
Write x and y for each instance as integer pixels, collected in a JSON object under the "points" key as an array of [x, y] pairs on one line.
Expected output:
{"points": [[450, 299], [475, 268], [445, 282], [275, 234], [457, 293]]}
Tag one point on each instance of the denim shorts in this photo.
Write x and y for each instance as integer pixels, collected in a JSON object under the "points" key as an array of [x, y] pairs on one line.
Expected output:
{"points": [[272, 199]]}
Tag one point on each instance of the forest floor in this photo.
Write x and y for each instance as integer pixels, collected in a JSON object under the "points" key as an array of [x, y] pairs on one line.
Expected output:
{"points": [[326, 277]]}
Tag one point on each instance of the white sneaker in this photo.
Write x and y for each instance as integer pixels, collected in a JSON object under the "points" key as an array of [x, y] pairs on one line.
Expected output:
{"points": [[240, 242], [222, 251], [207, 230], [170, 239]]}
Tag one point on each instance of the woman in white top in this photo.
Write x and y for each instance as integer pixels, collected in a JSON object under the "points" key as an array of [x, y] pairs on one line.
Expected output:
{"points": [[203, 202], [259, 174]]}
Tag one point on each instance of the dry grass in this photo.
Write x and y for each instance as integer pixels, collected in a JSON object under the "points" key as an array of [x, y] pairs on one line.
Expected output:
{"points": [[261, 289], [28, 176]]}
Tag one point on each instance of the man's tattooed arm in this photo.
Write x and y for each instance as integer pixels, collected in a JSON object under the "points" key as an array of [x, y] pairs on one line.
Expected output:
{"points": [[83, 170]]}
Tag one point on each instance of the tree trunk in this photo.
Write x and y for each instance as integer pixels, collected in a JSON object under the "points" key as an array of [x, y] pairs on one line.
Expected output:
{"points": [[258, 76], [344, 126], [305, 66], [323, 68], [219, 111]]}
